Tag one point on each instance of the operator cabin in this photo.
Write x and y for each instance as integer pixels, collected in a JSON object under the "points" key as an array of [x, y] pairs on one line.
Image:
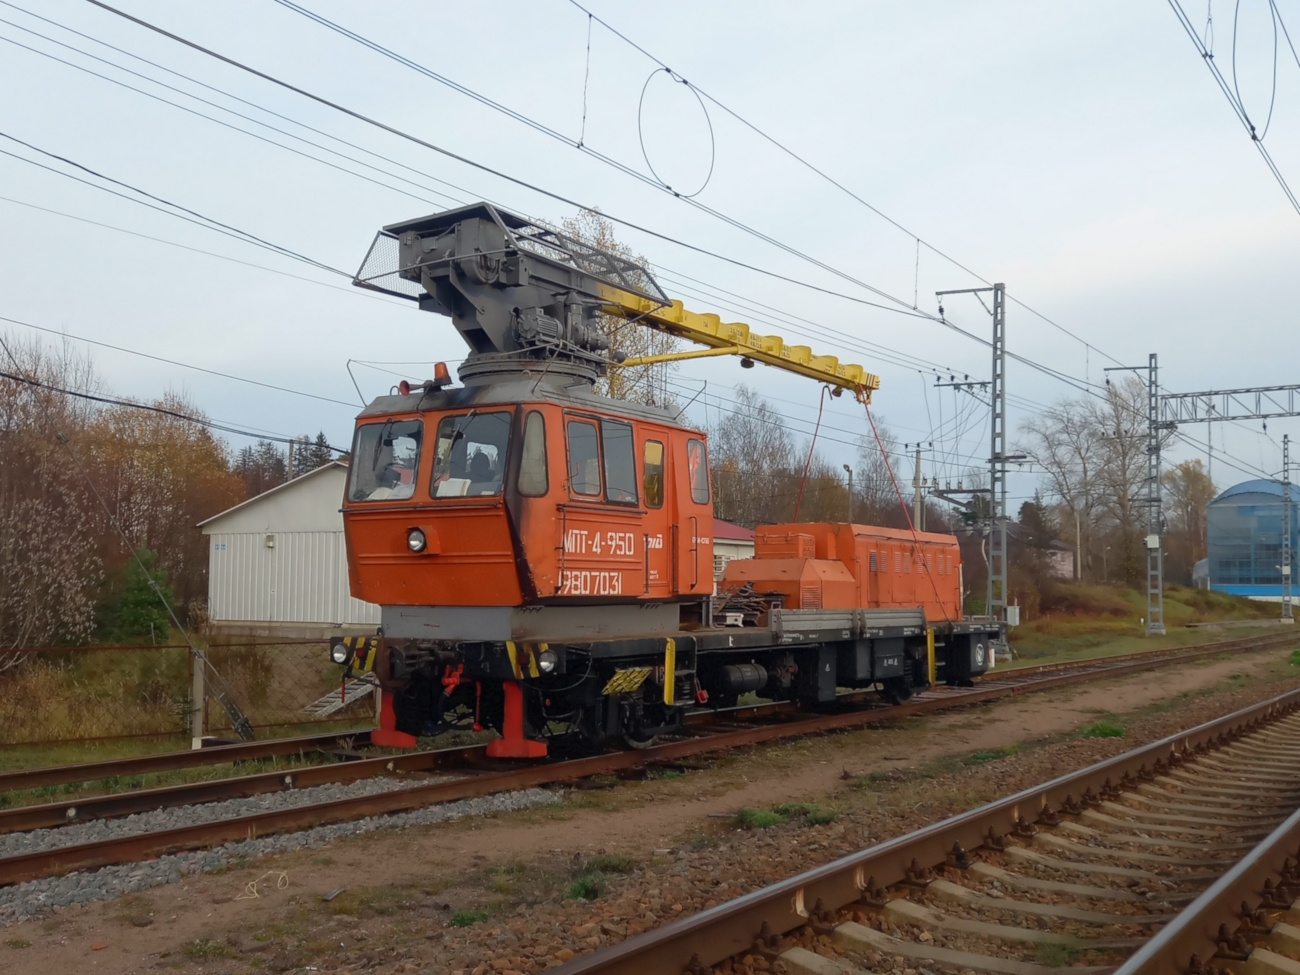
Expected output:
{"points": [[277, 563]]}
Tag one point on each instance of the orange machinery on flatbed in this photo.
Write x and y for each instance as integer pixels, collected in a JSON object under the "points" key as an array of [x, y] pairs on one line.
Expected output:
{"points": [[543, 556]]}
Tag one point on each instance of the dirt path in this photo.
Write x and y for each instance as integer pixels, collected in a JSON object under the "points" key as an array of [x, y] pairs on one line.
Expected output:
{"points": [[402, 888]]}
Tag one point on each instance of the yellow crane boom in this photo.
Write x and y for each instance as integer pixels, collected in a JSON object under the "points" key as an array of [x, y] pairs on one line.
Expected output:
{"points": [[732, 338]]}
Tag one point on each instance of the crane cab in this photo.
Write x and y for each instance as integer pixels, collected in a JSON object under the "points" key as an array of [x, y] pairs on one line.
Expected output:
{"points": [[542, 555], [526, 511]]}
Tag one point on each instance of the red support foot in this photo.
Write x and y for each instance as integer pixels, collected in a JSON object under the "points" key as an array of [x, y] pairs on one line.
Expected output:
{"points": [[512, 743], [387, 735]]}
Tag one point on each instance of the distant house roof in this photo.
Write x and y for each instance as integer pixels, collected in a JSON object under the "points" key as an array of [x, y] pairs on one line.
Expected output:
{"points": [[735, 533], [1257, 486], [272, 492]]}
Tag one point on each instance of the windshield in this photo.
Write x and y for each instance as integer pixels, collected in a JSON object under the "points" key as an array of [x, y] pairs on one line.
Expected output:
{"points": [[385, 459], [470, 455]]}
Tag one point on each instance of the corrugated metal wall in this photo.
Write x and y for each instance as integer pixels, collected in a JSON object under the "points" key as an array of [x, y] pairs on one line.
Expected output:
{"points": [[303, 578]]}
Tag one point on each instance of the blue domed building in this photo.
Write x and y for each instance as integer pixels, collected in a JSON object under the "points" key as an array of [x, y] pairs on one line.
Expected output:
{"points": [[1244, 539]]}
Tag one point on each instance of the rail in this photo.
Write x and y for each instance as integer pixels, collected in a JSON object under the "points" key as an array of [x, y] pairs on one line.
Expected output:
{"points": [[474, 776], [759, 919]]}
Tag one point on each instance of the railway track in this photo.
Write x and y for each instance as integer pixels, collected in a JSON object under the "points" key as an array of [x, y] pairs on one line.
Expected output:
{"points": [[40, 778], [1180, 856], [464, 772]]}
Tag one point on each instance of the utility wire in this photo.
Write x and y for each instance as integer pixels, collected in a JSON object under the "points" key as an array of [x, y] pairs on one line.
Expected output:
{"points": [[1046, 370], [347, 289], [220, 91], [174, 362], [212, 225], [899, 306], [879, 351], [574, 143], [1285, 33], [577, 144], [216, 121], [1237, 108], [217, 224], [148, 408], [807, 164]]}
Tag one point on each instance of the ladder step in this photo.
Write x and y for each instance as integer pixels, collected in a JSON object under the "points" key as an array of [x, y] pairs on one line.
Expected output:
{"points": [[336, 701]]}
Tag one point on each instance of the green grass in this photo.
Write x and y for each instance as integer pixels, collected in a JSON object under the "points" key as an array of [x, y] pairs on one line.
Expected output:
{"points": [[1295, 658], [18, 943], [610, 863], [758, 818], [586, 888], [1055, 955], [991, 754], [463, 919], [876, 777], [1077, 621], [1102, 729], [816, 815], [204, 950]]}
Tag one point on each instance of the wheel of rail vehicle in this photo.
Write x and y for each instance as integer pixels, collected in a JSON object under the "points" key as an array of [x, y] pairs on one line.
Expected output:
{"points": [[896, 689]]}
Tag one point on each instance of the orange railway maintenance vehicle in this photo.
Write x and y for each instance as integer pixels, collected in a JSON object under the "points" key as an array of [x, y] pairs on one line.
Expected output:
{"points": [[543, 555]]}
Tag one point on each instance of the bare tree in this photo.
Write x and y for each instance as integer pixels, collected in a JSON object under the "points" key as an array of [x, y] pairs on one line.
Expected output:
{"points": [[1188, 493], [877, 482], [753, 460], [641, 384], [261, 467], [49, 567], [1093, 452], [1065, 441], [1122, 418]]}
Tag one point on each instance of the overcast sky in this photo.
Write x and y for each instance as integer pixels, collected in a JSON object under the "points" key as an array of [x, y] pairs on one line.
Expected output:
{"points": [[1081, 153]]}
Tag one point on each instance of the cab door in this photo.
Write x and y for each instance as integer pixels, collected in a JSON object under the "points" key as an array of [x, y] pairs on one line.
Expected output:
{"points": [[656, 535], [692, 521]]}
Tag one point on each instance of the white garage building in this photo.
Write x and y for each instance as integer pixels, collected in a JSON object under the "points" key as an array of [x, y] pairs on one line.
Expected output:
{"points": [[277, 564]]}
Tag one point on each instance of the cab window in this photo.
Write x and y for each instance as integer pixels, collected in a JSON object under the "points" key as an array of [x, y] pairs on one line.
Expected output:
{"points": [[653, 465], [620, 465], [533, 481], [470, 455], [584, 458], [698, 468], [385, 458]]}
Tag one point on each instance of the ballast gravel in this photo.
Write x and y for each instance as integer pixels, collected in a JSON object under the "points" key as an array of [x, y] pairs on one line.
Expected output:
{"points": [[39, 897], [98, 830]]}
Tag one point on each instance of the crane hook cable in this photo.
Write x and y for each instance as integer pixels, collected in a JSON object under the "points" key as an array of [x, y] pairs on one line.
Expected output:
{"points": [[821, 405]]}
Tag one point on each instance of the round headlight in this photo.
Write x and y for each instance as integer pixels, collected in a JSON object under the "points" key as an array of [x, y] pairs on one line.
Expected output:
{"points": [[339, 653], [415, 540], [546, 661]]}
